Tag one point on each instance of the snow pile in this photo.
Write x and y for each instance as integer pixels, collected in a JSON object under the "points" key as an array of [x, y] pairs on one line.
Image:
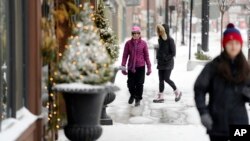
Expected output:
{"points": [[80, 87], [12, 128]]}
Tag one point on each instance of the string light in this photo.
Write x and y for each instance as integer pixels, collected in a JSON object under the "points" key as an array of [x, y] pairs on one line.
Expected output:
{"points": [[79, 25], [51, 105], [96, 71], [81, 76], [86, 27], [51, 94]]}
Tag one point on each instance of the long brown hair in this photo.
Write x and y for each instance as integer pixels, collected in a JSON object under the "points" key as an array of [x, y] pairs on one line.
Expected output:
{"points": [[241, 64]]}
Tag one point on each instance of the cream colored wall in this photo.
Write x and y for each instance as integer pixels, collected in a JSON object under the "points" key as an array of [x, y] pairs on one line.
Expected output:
{"points": [[120, 19]]}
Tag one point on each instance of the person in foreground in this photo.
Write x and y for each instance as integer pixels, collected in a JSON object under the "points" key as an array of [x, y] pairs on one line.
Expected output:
{"points": [[226, 81], [137, 51]]}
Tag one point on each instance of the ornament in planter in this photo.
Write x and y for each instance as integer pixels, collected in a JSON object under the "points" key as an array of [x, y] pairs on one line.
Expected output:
{"points": [[85, 71]]}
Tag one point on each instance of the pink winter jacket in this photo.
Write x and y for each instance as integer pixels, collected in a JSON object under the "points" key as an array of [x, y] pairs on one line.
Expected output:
{"points": [[137, 50]]}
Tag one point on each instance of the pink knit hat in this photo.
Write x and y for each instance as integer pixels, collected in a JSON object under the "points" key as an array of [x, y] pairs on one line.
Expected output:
{"points": [[136, 29]]}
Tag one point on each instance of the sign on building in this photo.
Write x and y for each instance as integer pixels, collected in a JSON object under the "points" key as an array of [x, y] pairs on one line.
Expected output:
{"points": [[133, 2]]}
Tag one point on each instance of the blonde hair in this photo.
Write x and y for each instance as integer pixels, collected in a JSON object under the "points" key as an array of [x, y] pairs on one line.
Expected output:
{"points": [[161, 31]]}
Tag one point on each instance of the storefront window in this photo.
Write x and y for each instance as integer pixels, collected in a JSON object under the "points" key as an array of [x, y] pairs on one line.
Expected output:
{"points": [[3, 60], [12, 60]]}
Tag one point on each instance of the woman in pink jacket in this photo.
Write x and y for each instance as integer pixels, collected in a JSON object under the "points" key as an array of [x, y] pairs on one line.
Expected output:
{"points": [[137, 51]]}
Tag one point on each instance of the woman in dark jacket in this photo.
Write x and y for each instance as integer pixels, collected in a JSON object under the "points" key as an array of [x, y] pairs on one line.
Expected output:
{"points": [[226, 80], [165, 62]]}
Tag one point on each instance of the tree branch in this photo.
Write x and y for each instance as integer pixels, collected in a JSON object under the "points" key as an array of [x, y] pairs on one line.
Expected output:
{"points": [[232, 2], [220, 5]]}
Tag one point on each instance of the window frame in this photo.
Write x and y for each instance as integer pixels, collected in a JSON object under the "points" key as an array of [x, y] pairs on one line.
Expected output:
{"points": [[16, 61]]}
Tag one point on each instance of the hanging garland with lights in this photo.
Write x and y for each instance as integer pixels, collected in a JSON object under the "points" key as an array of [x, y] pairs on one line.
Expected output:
{"points": [[56, 26], [106, 33], [49, 48]]}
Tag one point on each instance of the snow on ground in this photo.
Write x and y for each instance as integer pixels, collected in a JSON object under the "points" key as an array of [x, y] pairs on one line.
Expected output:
{"points": [[159, 122], [151, 132]]}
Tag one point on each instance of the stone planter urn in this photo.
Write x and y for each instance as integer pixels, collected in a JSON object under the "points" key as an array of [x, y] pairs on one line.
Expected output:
{"points": [[110, 97], [83, 105]]}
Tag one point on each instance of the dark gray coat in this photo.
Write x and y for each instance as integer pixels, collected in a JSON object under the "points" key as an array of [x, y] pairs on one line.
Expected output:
{"points": [[165, 54], [226, 99]]}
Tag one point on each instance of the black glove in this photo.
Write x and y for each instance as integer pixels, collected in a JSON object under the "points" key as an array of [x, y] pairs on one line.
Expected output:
{"points": [[207, 121]]}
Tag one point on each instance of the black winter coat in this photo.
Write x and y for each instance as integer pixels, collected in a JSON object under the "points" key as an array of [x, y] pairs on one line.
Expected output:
{"points": [[165, 54], [226, 99]]}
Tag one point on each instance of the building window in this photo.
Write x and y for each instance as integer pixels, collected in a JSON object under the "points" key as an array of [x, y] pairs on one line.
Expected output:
{"points": [[3, 60], [12, 57]]}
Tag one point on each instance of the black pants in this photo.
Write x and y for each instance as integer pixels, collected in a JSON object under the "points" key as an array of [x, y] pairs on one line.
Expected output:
{"points": [[135, 82], [164, 75], [218, 138]]}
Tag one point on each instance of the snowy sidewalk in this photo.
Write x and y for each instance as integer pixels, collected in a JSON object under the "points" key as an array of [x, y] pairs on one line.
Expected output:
{"points": [[166, 121], [153, 133], [169, 121]]}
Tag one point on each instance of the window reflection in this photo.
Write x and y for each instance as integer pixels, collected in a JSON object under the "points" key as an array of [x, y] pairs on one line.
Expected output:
{"points": [[3, 59]]}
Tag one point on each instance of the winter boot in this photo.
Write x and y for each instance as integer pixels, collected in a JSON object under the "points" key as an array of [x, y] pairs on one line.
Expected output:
{"points": [[159, 98], [178, 95], [131, 100], [137, 103]]}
